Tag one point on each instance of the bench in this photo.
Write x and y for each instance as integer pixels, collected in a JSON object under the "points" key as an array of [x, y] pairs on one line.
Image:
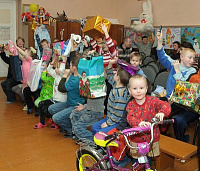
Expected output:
{"points": [[170, 149]]}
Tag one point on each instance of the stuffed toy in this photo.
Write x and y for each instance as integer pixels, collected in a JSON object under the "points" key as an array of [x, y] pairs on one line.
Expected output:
{"points": [[61, 17], [145, 22]]}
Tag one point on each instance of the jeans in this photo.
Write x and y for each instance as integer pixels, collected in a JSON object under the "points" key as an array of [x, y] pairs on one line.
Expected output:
{"points": [[7, 88], [86, 119], [96, 127], [61, 115], [181, 122]]}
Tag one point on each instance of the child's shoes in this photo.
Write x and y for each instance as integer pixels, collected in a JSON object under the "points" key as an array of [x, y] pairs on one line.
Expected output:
{"points": [[54, 126], [49, 121], [39, 125], [29, 111]]}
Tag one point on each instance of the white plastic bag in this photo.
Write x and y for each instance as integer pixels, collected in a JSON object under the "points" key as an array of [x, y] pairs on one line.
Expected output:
{"points": [[34, 74]]}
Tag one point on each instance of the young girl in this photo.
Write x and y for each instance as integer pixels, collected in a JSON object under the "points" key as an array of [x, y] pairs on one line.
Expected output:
{"points": [[139, 112]]}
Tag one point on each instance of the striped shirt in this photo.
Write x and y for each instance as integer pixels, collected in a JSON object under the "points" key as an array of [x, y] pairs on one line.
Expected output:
{"points": [[108, 55], [117, 100]]}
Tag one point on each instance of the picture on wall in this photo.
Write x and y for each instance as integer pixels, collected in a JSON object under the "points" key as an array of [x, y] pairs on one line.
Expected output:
{"points": [[192, 35], [170, 35], [130, 33]]}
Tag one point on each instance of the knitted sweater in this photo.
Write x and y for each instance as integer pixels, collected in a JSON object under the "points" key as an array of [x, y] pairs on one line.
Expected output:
{"points": [[145, 112]]}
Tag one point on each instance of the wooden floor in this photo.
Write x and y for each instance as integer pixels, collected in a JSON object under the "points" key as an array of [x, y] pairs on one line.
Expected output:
{"points": [[23, 148]]}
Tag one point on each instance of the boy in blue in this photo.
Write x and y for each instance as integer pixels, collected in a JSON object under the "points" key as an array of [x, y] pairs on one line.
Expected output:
{"points": [[178, 71], [61, 111]]}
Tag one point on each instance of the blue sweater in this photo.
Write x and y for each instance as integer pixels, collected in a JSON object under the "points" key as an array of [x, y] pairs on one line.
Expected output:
{"points": [[73, 92], [117, 100], [183, 75]]}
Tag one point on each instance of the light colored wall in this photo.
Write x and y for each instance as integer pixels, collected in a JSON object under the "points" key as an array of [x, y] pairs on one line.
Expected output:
{"points": [[166, 12]]}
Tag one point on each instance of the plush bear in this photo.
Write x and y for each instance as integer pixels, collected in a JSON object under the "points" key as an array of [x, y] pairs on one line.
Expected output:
{"points": [[145, 22]]}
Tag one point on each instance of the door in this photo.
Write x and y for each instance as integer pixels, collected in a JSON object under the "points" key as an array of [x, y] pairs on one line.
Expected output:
{"points": [[7, 27]]}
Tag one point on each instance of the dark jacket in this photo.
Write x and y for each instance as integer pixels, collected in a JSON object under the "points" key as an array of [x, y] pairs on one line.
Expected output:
{"points": [[7, 61]]}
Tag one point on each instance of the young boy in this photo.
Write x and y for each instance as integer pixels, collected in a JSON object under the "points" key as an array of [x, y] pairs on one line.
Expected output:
{"points": [[61, 111], [117, 99], [136, 61], [178, 71]]}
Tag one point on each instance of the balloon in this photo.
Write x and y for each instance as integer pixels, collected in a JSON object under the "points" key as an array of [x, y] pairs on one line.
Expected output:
{"points": [[33, 8]]}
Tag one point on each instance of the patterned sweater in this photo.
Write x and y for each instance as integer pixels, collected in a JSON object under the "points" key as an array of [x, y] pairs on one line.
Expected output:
{"points": [[47, 86], [145, 112], [107, 56]]}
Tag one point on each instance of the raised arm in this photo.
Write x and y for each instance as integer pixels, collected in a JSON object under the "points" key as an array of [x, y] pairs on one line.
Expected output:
{"points": [[24, 54], [134, 38]]}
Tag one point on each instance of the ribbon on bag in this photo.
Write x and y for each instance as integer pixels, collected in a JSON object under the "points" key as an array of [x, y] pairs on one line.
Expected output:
{"points": [[127, 67]]}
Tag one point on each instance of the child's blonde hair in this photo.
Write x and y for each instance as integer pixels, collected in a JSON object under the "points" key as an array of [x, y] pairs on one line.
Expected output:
{"points": [[138, 76], [136, 54], [186, 50]]}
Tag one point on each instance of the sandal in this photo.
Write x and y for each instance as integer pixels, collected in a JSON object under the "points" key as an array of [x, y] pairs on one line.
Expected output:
{"points": [[39, 125], [54, 126], [49, 121]]}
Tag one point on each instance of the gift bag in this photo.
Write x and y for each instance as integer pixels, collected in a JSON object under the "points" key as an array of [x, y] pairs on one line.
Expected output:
{"points": [[92, 26], [185, 94], [15, 65], [91, 77], [34, 74], [46, 56], [57, 48]]}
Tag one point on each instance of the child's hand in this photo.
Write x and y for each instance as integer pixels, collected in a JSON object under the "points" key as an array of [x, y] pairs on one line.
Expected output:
{"points": [[176, 66], [114, 60], [103, 125], [160, 116], [79, 107], [144, 124], [159, 36], [104, 28]]}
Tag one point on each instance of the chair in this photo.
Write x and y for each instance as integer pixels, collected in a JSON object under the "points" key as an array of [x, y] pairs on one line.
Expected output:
{"points": [[150, 73], [154, 66], [161, 79], [147, 60]]}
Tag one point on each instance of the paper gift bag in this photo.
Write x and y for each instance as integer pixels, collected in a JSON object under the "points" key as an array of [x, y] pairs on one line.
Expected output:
{"points": [[15, 65], [91, 77], [92, 26], [57, 48], [185, 94]]}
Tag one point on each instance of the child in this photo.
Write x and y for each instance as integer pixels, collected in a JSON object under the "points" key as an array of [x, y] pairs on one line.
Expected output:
{"points": [[61, 111], [136, 61], [178, 71], [117, 99], [107, 47], [57, 96], [47, 87], [139, 112]]}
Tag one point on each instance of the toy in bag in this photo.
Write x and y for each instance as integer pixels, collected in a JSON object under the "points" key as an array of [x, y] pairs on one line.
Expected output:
{"points": [[91, 77], [12, 48], [46, 56], [57, 48], [34, 74], [186, 94]]}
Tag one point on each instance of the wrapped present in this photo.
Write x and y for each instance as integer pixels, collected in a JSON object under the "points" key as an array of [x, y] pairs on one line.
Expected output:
{"points": [[57, 49], [185, 94], [91, 77], [92, 26]]}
